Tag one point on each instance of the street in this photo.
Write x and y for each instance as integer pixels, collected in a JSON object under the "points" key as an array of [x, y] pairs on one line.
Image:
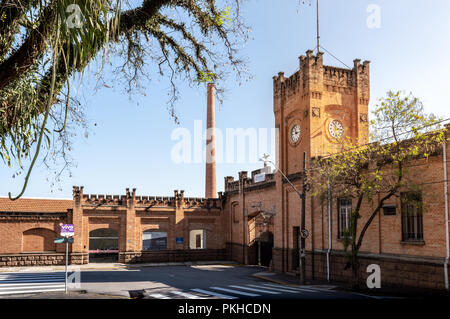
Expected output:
{"points": [[169, 282]]}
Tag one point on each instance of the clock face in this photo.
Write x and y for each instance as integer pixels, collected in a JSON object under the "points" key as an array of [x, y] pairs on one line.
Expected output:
{"points": [[336, 129], [295, 133]]}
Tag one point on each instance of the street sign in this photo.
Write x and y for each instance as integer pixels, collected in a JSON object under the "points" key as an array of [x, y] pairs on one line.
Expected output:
{"points": [[180, 240], [59, 240], [63, 240], [67, 230], [305, 233]]}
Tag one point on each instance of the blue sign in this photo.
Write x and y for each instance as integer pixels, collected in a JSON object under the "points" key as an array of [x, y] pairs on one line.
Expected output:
{"points": [[180, 240]]}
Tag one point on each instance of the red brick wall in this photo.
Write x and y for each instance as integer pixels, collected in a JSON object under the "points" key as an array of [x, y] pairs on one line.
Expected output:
{"points": [[38, 240], [13, 241]]}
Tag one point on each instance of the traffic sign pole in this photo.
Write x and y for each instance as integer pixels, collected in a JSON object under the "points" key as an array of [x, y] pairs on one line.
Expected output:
{"points": [[67, 260]]}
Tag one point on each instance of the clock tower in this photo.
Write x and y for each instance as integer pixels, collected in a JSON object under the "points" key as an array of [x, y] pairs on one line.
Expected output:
{"points": [[317, 105]]}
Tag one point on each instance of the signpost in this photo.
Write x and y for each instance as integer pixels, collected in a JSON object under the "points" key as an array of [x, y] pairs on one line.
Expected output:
{"points": [[66, 231]]}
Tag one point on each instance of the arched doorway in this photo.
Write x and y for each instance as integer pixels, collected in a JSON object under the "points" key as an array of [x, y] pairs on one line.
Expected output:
{"points": [[103, 245], [264, 252]]}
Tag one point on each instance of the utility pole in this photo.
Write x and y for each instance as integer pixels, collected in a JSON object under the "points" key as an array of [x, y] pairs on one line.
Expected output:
{"points": [[303, 232]]}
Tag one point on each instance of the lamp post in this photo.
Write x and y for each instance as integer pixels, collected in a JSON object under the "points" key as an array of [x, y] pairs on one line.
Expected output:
{"points": [[303, 232]]}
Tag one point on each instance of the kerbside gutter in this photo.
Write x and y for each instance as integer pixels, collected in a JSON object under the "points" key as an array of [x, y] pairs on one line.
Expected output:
{"points": [[446, 215]]}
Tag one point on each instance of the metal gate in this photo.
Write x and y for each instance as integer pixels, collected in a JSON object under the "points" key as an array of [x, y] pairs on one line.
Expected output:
{"points": [[103, 245]]}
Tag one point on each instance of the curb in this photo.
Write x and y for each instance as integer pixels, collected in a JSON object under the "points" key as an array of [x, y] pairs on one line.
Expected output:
{"points": [[274, 280]]}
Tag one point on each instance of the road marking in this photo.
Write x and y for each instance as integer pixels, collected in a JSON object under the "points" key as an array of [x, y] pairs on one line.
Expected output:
{"points": [[277, 289], [186, 295], [292, 288], [235, 292], [158, 296], [29, 291], [212, 293], [30, 284], [254, 289], [29, 287], [32, 280], [21, 283]]}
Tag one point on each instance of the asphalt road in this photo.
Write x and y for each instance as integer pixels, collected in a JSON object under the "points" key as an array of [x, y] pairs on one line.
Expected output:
{"points": [[177, 282]]}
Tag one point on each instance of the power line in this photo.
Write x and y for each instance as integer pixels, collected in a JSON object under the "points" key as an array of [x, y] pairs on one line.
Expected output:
{"points": [[334, 57], [389, 137]]}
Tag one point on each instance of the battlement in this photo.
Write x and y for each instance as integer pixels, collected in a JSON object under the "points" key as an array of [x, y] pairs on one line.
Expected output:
{"points": [[313, 72], [144, 201], [248, 182]]}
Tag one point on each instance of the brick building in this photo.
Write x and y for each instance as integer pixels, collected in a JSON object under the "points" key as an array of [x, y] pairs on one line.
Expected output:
{"points": [[311, 107], [126, 228], [257, 218]]}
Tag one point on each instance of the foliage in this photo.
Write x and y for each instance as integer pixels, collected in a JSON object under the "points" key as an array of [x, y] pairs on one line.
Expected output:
{"points": [[191, 40]]}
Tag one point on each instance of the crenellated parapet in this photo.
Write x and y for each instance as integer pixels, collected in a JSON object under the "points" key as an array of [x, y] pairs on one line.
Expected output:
{"points": [[247, 183], [130, 198], [313, 78]]}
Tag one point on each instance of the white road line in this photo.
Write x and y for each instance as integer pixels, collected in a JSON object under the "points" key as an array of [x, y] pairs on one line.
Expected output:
{"points": [[158, 296], [33, 287], [32, 274], [292, 288], [31, 284], [235, 292], [26, 278], [28, 291], [186, 295], [32, 280], [212, 293], [254, 289], [277, 289]]}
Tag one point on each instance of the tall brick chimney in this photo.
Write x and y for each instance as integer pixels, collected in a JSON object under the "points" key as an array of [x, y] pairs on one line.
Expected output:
{"points": [[210, 182]]}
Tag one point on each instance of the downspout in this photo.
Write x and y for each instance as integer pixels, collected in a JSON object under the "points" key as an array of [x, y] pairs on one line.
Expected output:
{"points": [[446, 215], [329, 232]]}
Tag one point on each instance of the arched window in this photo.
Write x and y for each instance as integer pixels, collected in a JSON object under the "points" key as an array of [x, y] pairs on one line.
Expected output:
{"points": [[154, 240], [197, 239], [38, 240]]}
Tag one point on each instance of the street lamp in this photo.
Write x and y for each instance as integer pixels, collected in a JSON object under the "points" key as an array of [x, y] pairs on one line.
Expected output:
{"points": [[303, 232]]}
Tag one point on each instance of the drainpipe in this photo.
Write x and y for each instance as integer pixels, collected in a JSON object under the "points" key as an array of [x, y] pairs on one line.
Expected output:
{"points": [[329, 232], [446, 216]]}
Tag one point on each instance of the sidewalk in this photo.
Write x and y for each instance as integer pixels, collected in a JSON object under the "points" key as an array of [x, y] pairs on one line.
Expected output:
{"points": [[113, 266]]}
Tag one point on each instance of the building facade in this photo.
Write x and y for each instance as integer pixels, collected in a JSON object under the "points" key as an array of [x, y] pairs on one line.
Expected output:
{"points": [[257, 219], [126, 228], [311, 107]]}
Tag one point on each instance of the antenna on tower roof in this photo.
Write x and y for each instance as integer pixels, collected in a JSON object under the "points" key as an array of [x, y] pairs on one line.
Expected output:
{"points": [[318, 34]]}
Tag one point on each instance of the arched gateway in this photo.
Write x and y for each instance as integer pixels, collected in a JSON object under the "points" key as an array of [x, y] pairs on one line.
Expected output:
{"points": [[103, 245]]}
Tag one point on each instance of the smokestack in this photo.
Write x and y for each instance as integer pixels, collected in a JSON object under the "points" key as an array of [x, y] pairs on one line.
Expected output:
{"points": [[210, 183]]}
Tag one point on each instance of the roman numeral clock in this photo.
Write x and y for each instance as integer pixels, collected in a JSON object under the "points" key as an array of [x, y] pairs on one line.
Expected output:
{"points": [[336, 129], [295, 133]]}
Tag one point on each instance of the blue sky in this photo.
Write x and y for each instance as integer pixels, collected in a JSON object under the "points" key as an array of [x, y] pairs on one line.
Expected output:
{"points": [[130, 146]]}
